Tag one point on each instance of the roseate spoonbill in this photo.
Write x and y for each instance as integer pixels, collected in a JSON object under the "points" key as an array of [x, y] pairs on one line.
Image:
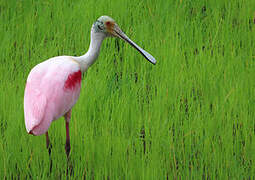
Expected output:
{"points": [[53, 86]]}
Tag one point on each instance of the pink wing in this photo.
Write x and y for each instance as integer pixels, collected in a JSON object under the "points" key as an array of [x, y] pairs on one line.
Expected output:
{"points": [[52, 89], [34, 107]]}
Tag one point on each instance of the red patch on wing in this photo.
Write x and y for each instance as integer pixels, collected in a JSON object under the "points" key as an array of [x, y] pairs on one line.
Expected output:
{"points": [[72, 80]]}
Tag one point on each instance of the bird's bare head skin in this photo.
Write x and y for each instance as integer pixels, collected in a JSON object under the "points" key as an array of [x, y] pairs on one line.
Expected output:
{"points": [[110, 28]]}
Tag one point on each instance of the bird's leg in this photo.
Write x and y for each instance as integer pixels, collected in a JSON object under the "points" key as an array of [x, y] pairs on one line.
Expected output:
{"points": [[69, 168], [48, 144], [67, 146]]}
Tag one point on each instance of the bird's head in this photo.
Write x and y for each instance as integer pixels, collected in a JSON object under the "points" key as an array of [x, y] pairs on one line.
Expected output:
{"points": [[109, 28], [105, 25]]}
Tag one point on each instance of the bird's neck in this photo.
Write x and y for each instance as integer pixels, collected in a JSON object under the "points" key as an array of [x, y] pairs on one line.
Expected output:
{"points": [[90, 57]]}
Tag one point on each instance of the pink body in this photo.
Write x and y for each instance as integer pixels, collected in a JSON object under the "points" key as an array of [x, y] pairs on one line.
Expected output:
{"points": [[52, 89]]}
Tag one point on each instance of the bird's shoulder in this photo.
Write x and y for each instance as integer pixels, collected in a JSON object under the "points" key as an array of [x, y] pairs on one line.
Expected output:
{"points": [[60, 66]]}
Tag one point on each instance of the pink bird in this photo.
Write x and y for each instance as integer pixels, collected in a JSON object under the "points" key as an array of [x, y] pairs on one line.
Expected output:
{"points": [[53, 86]]}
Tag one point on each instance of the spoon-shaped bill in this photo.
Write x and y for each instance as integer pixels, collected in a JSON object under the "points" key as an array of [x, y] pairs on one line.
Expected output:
{"points": [[122, 35]]}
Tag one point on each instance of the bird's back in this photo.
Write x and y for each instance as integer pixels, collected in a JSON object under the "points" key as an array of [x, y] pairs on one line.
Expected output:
{"points": [[52, 88]]}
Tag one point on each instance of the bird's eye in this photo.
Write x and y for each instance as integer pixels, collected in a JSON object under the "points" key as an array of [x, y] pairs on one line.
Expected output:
{"points": [[99, 27]]}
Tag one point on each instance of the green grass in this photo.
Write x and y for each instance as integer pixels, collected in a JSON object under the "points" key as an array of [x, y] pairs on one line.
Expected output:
{"points": [[192, 116]]}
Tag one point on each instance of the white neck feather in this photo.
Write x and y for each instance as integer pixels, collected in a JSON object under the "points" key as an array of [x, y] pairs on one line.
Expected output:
{"points": [[89, 58]]}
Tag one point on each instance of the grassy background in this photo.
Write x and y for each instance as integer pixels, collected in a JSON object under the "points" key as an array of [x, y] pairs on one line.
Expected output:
{"points": [[190, 116]]}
